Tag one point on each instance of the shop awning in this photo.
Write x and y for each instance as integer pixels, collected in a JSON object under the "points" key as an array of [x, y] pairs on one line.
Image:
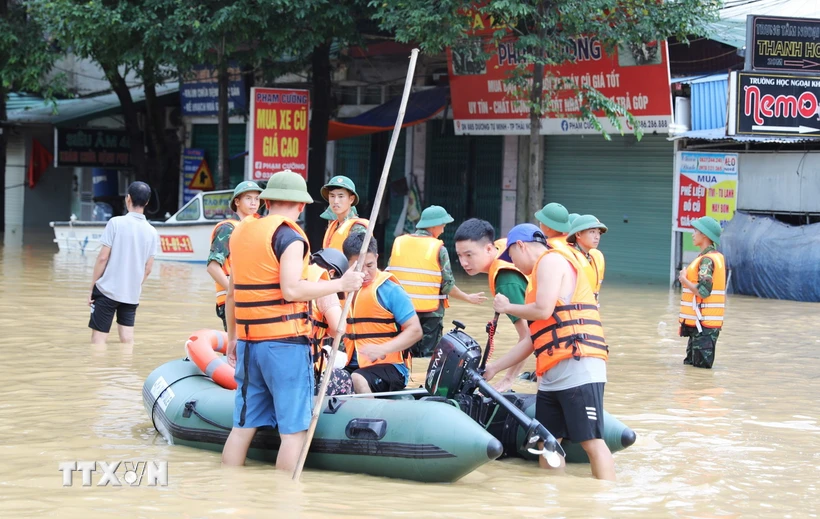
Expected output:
{"points": [[421, 106]]}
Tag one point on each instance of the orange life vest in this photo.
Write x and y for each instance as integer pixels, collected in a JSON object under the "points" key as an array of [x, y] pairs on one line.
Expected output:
{"points": [[415, 263], [319, 336], [262, 313], [221, 291], [574, 330], [558, 242], [500, 244], [371, 323], [593, 270], [337, 233], [705, 313], [495, 268]]}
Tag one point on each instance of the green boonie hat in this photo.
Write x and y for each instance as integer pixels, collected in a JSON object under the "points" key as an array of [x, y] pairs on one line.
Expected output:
{"points": [[572, 217], [342, 182], [555, 216], [584, 223], [287, 186], [330, 215], [709, 227], [241, 188], [433, 216]]}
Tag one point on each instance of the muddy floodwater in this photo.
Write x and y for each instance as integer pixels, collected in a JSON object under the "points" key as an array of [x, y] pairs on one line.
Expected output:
{"points": [[741, 440]]}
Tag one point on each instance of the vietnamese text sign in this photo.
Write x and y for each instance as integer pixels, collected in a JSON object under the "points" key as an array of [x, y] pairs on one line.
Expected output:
{"points": [[782, 44], [707, 187], [87, 148], [278, 132], [636, 77], [774, 104], [199, 95], [191, 159]]}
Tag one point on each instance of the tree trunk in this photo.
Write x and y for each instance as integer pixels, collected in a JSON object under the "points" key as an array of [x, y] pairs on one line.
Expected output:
{"points": [[224, 160], [535, 176], [317, 156], [3, 133], [132, 124], [159, 172]]}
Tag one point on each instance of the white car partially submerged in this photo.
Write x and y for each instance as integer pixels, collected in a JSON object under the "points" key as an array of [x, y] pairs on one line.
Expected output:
{"points": [[186, 236]]}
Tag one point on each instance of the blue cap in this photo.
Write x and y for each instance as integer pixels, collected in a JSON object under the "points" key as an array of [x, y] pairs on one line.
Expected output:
{"points": [[525, 232]]}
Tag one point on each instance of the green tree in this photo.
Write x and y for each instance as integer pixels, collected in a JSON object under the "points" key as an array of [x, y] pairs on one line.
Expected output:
{"points": [[25, 59], [544, 31]]}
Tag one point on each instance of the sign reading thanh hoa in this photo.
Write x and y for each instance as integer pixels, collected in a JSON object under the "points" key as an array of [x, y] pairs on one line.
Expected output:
{"points": [[782, 44], [635, 76], [707, 186], [278, 132]]}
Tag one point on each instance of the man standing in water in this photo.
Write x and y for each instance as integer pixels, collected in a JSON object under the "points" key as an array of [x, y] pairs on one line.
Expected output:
{"points": [[245, 203], [477, 254], [129, 244], [340, 193], [704, 295], [269, 325], [567, 338]]}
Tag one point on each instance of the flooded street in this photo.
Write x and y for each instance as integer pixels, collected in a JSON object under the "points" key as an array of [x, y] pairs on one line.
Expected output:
{"points": [[740, 440]]}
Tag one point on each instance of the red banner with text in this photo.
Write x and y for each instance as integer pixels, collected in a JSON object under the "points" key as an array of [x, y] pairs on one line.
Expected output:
{"points": [[636, 77], [278, 132]]}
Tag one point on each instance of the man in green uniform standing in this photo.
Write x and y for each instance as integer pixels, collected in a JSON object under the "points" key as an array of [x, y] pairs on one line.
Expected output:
{"points": [[704, 295], [421, 263]]}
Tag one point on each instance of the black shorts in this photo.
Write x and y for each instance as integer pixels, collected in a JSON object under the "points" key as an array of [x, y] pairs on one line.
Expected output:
{"points": [[576, 414], [382, 377], [103, 310]]}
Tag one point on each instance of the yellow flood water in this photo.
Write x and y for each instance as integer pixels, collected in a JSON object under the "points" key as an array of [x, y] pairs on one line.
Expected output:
{"points": [[742, 440]]}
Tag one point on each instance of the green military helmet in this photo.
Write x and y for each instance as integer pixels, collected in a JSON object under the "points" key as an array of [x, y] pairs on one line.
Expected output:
{"points": [[433, 216], [330, 215], [287, 186], [709, 227], [572, 217], [340, 181], [555, 216], [584, 223], [242, 188]]}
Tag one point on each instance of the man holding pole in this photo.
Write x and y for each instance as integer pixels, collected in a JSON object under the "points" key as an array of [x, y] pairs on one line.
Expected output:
{"points": [[268, 322]]}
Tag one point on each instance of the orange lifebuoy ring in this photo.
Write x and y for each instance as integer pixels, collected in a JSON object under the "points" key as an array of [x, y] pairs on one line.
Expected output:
{"points": [[202, 347]]}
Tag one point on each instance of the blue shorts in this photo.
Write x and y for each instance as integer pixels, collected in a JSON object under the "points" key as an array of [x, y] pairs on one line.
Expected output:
{"points": [[274, 386]]}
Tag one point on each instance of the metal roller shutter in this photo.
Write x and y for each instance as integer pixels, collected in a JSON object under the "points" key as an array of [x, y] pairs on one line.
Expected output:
{"points": [[463, 176], [628, 186], [206, 137]]}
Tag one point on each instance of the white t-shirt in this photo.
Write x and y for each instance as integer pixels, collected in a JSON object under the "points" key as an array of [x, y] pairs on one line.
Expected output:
{"points": [[132, 241]]}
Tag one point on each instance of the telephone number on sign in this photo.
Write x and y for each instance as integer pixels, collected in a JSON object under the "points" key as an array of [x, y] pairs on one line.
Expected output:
{"points": [[653, 124]]}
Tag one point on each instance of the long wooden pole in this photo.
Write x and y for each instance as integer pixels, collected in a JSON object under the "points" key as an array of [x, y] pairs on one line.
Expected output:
{"points": [[320, 399]]}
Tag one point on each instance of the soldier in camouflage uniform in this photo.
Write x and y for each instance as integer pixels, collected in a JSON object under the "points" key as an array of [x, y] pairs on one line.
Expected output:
{"points": [[245, 203], [430, 225], [700, 349]]}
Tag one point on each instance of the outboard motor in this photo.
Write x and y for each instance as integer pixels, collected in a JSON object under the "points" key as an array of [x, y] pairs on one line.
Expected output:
{"points": [[454, 371]]}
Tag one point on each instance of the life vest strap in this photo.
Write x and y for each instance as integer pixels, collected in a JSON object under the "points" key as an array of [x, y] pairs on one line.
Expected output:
{"points": [[420, 284], [257, 304], [420, 296], [576, 307], [693, 317], [562, 324], [593, 341], [414, 271], [320, 324], [222, 293], [363, 336], [712, 293], [375, 320], [264, 286], [271, 320]]}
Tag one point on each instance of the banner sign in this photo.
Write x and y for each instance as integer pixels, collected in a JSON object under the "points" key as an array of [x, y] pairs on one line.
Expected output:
{"points": [[199, 95], [191, 160], [85, 148], [278, 132], [782, 44], [774, 104], [636, 77], [707, 186]]}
